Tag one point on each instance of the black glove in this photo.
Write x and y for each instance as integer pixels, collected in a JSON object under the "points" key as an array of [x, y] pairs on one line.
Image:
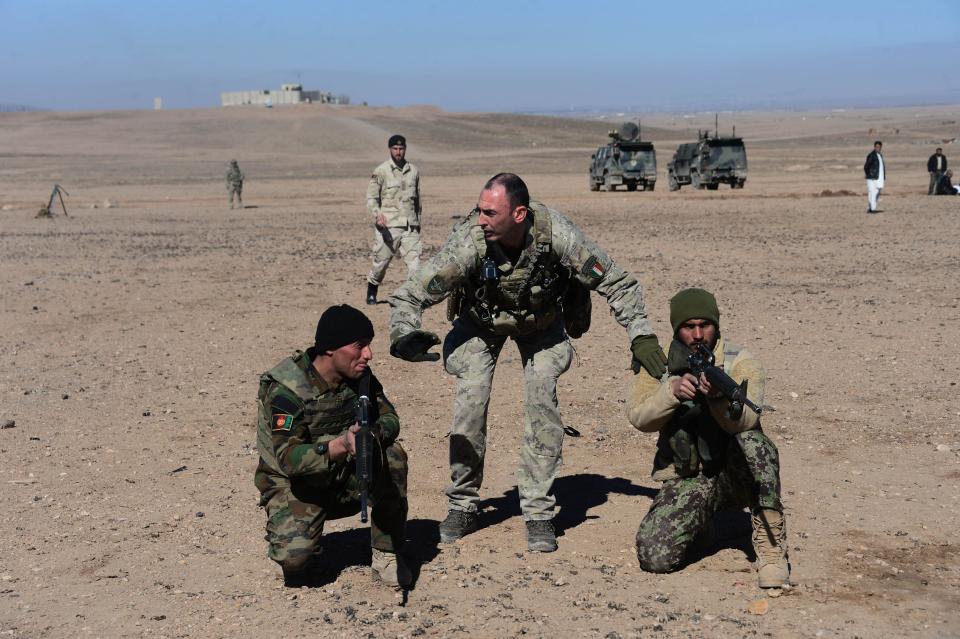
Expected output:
{"points": [[415, 347], [648, 355]]}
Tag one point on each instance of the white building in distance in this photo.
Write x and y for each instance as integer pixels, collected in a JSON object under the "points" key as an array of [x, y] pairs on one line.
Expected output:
{"points": [[288, 94]]}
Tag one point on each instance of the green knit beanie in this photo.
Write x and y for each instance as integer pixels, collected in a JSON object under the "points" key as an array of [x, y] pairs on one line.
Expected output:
{"points": [[693, 303]]}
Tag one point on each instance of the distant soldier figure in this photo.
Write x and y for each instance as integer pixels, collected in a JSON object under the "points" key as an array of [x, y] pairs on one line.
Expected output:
{"points": [[936, 167], [306, 437], [710, 456], [513, 269], [235, 183], [875, 170], [393, 199]]}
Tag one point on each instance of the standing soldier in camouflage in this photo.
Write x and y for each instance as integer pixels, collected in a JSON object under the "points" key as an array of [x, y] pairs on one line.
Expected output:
{"points": [[306, 429], [513, 268], [707, 458], [235, 183], [393, 199]]}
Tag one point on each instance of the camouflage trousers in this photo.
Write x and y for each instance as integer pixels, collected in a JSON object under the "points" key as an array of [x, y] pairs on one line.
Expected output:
{"points": [[683, 508], [470, 353], [238, 190], [297, 512], [404, 240]]}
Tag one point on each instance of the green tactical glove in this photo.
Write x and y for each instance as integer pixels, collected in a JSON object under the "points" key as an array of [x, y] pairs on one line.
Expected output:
{"points": [[415, 347], [648, 355]]}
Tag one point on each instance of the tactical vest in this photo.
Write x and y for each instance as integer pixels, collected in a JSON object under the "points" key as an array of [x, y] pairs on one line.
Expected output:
{"points": [[693, 441], [523, 299], [321, 416]]}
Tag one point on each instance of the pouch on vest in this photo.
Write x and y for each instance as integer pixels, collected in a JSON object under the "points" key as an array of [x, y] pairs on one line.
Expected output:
{"points": [[577, 308]]}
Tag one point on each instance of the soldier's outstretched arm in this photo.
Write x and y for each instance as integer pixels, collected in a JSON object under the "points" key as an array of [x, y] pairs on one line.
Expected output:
{"points": [[593, 268], [432, 282]]}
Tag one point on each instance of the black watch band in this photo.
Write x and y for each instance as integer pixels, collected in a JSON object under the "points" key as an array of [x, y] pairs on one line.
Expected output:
{"points": [[321, 448]]}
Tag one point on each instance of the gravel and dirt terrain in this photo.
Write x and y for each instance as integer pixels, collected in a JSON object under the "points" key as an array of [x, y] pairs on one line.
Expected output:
{"points": [[135, 330]]}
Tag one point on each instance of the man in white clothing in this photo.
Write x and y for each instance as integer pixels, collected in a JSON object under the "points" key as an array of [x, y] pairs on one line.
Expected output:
{"points": [[875, 171]]}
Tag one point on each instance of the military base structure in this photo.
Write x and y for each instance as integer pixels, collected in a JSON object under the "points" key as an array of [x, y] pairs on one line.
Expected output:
{"points": [[287, 94], [625, 160]]}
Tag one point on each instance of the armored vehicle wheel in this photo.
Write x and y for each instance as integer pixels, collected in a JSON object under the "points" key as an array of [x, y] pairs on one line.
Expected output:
{"points": [[695, 181], [593, 185], [649, 186], [739, 184], [631, 187], [713, 187], [672, 183], [606, 186]]}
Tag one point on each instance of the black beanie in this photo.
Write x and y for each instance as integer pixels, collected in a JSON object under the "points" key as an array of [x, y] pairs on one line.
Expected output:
{"points": [[341, 325], [397, 140]]}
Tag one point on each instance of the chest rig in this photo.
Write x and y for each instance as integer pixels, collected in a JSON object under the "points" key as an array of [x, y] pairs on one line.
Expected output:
{"points": [[693, 441], [514, 299]]}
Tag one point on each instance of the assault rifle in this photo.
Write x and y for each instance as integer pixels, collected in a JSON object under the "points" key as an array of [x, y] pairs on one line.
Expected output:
{"points": [[364, 443], [701, 361]]}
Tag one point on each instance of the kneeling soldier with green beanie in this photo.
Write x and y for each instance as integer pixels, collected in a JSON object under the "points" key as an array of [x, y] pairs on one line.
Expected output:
{"points": [[306, 435], [709, 457]]}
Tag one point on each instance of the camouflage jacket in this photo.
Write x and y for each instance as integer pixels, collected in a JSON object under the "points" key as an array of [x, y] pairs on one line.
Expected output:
{"points": [[693, 434], [526, 295], [298, 410], [395, 193], [234, 176]]}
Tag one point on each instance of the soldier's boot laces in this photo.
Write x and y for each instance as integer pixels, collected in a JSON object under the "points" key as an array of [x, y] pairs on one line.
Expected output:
{"points": [[541, 536], [390, 568], [770, 546], [371, 293], [459, 523]]}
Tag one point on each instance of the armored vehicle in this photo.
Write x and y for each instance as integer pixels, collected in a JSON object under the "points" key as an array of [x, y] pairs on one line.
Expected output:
{"points": [[708, 163], [624, 160]]}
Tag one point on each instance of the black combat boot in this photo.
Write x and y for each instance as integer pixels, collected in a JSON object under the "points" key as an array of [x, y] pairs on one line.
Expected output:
{"points": [[371, 293], [458, 523], [541, 536]]}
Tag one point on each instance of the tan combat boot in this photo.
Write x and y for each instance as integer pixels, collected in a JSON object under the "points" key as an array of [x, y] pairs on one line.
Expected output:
{"points": [[391, 569], [770, 546]]}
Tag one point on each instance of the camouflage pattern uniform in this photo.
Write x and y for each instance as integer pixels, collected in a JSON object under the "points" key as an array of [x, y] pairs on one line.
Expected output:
{"points": [[301, 487], [394, 192], [707, 461], [525, 305], [235, 183]]}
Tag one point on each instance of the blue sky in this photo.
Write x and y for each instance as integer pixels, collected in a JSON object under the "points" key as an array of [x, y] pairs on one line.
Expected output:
{"points": [[507, 56]]}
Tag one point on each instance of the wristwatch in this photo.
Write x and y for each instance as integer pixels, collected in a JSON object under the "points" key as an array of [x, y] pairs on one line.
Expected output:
{"points": [[321, 448]]}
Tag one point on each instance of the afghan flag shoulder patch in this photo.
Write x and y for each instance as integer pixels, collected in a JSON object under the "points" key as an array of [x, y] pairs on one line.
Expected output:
{"points": [[282, 421], [593, 268]]}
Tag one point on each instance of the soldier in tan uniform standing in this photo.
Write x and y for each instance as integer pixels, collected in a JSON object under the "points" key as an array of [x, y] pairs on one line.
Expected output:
{"points": [[393, 199], [513, 269]]}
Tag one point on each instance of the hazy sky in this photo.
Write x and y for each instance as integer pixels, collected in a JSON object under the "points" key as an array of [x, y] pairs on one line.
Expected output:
{"points": [[492, 55]]}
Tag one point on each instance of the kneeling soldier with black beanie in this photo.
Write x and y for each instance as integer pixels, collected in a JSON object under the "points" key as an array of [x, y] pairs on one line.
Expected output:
{"points": [[306, 427]]}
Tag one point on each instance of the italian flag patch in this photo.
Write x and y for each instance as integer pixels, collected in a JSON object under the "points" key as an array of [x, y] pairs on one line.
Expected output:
{"points": [[282, 422], [593, 268]]}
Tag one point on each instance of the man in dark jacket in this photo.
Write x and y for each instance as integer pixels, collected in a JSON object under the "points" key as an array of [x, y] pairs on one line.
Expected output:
{"points": [[936, 167], [875, 171]]}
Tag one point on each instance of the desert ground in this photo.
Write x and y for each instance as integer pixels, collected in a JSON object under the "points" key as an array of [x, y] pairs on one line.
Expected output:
{"points": [[135, 331]]}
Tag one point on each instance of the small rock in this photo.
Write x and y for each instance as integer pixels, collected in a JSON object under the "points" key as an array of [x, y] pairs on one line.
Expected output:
{"points": [[65, 396], [943, 448], [109, 204], [758, 607], [7, 207], [794, 395], [146, 413], [9, 424], [200, 513]]}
